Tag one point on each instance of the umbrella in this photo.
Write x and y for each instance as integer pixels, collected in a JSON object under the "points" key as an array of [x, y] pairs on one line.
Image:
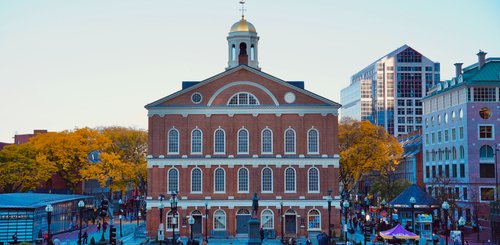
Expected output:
{"points": [[398, 232]]}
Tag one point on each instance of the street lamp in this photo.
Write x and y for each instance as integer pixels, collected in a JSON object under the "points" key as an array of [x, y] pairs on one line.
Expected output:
{"points": [[173, 208], [49, 209], [346, 207], [461, 223], [281, 222], [206, 221], [120, 202], [191, 223], [445, 206], [81, 204], [412, 203], [137, 204], [329, 200], [496, 171], [161, 211], [340, 209], [367, 226], [367, 204]]}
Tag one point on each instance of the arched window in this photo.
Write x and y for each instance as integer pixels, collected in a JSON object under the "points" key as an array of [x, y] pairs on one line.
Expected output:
{"points": [[171, 221], [196, 141], [454, 153], [173, 180], [267, 180], [289, 141], [267, 219], [427, 156], [173, 141], [446, 153], [243, 98], [243, 141], [243, 180], [252, 52], [219, 180], [267, 141], [196, 180], [312, 141], [313, 180], [233, 52], [219, 141], [462, 152], [219, 220], [243, 49], [486, 152], [440, 154], [314, 220], [290, 180], [433, 155]]}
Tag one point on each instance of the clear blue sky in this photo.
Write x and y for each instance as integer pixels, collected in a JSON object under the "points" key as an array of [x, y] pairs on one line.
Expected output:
{"points": [[67, 64]]}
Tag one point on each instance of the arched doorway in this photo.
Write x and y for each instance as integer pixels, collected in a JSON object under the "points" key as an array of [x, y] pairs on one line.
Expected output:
{"points": [[242, 218], [198, 223], [290, 223]]}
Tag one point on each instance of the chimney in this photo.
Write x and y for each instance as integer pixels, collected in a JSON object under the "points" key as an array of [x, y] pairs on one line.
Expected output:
{"points": [[458, 69], [481, 58]]}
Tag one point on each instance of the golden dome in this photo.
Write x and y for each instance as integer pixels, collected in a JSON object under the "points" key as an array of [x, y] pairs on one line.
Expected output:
{"points": [[242, 26]]}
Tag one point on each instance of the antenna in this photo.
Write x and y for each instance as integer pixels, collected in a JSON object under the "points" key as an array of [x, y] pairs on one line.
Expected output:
{"points": [[242, 2]]}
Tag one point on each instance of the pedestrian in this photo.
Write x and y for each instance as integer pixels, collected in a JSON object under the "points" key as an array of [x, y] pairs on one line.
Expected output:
{"points": [[85, 237], [98, 226], [261, 234], [14, 238], [105, 226], [57, 241], [308, 241]]}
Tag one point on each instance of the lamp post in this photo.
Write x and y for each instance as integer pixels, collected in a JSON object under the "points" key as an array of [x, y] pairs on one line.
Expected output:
{"points": [[173, 208], [81, 204], [496, 171], [461, 223], [329, 200], [191, 223], [120, 202], [49, 209], [367, 226], [281, 222], [346, 209], [412, 203], [206, 221], [137, 203], [445, 206], [341, 209], [161, 207]]}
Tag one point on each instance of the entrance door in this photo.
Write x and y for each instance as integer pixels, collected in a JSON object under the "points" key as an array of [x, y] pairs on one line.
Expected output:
{"points": [[197, 226], [290, 224], [242, 218]]}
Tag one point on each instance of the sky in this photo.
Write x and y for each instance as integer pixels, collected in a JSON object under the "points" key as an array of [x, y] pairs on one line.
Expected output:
{"points": [[90, 63]]}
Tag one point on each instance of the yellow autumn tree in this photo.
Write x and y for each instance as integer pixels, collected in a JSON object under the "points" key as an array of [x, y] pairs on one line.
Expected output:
{"points": [[365, 147], [109, 171], [19, 169]]}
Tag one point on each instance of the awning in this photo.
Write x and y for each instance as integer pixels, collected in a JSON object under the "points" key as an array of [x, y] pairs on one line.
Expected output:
{"points": [[398, 232]]}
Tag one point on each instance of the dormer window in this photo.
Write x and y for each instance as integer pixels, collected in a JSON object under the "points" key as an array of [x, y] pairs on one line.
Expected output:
{"points": [[243, 98]]}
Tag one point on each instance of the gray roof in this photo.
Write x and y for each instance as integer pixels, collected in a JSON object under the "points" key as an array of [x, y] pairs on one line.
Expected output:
{"points": [[35, 200], [423, 200]]}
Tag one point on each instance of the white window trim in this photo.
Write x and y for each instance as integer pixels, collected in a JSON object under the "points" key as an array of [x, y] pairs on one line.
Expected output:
{"points": [[238, 180], [238, 141], [225, 220], [201, 179], [262, 141], [262, 180], [492, 132], [238, 94], [309, 215], [225, 182], [294, 181], [317, 141], [201, 148], [225, 145], [294, 141], [168, 142], [168, 178], [261, 225], [489, 187], [319, 180]]}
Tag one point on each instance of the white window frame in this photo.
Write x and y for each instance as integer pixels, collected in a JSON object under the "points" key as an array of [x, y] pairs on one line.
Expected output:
{"points": [[177, 143], [238, 99], [317, 141], [294, 141], [215, 141], [308, 220], [294, 180], [492, 132], [168, 179], [201, 142], [168, 217], [225, 220], [248, 180], [262, 180], [201, 181], [238, 141], [308, 180], [215, 180], [489, 187], [262, 219], [262, 141]]}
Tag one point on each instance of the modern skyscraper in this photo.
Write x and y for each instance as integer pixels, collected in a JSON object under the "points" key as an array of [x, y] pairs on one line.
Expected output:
{"points": [[389, 91]]}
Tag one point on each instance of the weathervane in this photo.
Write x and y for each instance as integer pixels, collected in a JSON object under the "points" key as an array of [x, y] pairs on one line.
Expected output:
{"points": [[242, 2]]}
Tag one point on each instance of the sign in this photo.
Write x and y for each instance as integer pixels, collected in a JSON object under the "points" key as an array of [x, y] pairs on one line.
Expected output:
{"points": [[161, 235], [424, 218]]}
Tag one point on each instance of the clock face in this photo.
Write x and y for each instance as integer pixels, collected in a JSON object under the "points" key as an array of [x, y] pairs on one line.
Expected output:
{"points": [[289, 97]]}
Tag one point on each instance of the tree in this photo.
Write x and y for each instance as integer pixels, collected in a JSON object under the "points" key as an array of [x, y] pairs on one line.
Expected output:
{"points": [[20, 170], [365, 147], [110, 168]]}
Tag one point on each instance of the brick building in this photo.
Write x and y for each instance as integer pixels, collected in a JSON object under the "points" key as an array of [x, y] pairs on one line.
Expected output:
{"points": [[240, 132]]}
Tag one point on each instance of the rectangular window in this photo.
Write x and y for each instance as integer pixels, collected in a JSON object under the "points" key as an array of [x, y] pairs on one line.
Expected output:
{"points": [[465, 195], [401, 120], [427, 172], [447, 170], [486, 170], [401, 102], [433, 171], [485, 132], [462, 170], [446, 137], [440, 170], [487, 194], [484, 94], [427, 139], [453, 134], [439, 137], [457, 193], [418, 111], [461, 133], [454, 169], [433, 137]]}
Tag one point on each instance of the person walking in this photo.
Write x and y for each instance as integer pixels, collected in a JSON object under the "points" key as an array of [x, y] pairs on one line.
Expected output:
{"points": [[98, 226], [85, 237], [14, 238], [261, 235]]}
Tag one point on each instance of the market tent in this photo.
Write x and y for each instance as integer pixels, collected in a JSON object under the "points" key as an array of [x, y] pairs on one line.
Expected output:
{"points": [[398, 232]]}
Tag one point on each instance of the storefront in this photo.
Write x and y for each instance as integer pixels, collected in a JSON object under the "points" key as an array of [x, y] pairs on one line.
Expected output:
{"points": [[24, 214]]}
